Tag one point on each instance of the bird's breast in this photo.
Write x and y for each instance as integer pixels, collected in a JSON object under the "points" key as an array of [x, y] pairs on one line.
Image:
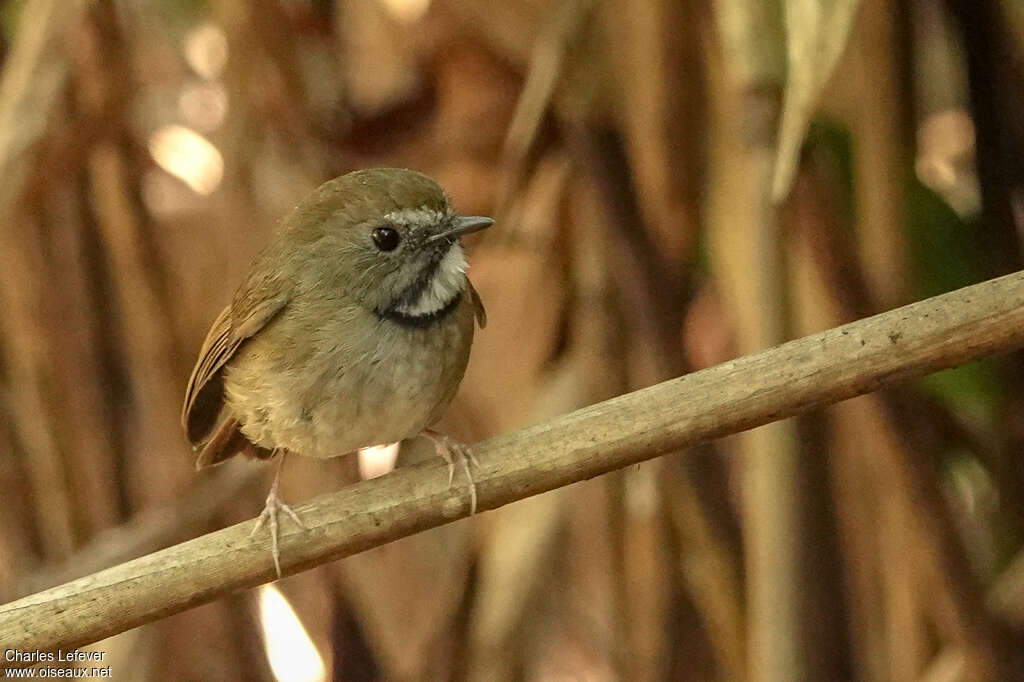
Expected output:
{"points": [[340, 389]]}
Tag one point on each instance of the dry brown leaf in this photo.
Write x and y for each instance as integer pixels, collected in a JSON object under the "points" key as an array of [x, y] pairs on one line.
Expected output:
{"points": [[378, 63], [515, 559], [407, 596], [582, 610], [312, 595], [522, 286], [816, 34], [33, 77], [655, 52]]}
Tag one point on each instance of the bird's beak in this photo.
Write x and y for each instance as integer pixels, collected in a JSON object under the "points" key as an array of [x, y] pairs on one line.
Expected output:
{"points": [[464, 225]]}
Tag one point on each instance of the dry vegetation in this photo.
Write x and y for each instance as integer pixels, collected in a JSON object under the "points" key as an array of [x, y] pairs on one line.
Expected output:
{"points": [[630, 152]]}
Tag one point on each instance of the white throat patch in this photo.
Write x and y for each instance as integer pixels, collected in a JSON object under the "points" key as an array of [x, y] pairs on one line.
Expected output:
{"points": [[448, 282]]}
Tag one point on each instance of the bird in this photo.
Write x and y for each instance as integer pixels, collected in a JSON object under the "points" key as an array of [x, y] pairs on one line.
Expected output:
{"points": [[352, 328]]}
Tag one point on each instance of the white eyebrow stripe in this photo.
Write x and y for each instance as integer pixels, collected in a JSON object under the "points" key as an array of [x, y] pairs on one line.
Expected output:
{"points": [[417, 217]]}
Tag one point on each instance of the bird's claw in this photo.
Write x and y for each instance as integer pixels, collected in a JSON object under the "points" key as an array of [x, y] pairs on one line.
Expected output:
{"points": [[451, 450], [269, 517]]}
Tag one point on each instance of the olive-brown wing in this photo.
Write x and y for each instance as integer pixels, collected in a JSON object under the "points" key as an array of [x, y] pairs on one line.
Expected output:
{"points": [[204, 395], [478, 306]]}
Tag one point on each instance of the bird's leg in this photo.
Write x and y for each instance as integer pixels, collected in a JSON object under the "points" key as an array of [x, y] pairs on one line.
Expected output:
{"points": [[269, 515], [451, 450]]}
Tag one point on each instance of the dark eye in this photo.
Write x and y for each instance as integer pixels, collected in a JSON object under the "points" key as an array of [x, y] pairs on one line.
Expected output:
{"points": [[386, 238]]}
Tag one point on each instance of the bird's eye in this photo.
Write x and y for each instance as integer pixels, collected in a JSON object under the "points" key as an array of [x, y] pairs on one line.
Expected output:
{"points": [[386, 238]]}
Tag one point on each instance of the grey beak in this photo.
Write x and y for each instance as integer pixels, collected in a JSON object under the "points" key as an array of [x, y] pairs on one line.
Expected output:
{"points": [[464, 225]]}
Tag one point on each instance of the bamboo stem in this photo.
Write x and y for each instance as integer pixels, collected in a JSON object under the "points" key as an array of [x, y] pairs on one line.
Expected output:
{"points": [[824, 368]]}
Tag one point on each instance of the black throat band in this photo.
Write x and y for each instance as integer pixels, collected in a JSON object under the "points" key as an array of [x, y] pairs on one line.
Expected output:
{"points": [[420, 321]]}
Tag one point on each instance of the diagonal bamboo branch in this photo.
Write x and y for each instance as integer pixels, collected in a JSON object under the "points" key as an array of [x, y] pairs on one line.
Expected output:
{"points": [[816, 370]]}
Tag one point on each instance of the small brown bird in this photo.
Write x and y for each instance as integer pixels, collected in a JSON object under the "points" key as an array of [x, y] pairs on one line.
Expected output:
{"points": [[352, 329]]}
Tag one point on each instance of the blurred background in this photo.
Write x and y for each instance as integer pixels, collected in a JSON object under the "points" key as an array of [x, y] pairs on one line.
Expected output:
{"points": [[630, 151]]}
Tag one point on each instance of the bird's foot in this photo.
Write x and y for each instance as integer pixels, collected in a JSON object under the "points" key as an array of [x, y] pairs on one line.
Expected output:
{"points": [[269, 517], [452, 451]]}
